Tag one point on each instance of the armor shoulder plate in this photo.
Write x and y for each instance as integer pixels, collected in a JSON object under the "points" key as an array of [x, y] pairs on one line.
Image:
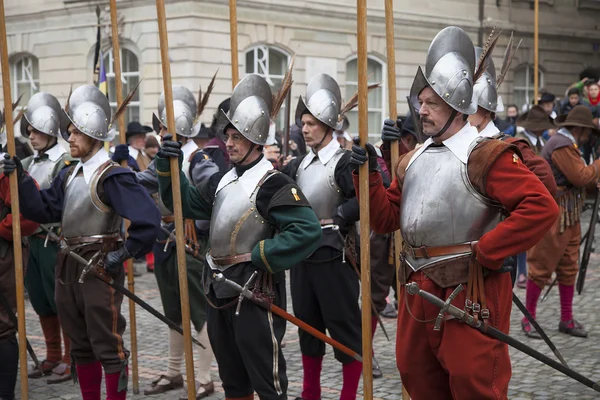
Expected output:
{"points": [[288, 195], [483, 155], [106, 170]]}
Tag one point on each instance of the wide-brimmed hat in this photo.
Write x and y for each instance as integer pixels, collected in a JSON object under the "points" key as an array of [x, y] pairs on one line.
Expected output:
{"points": [[580, 116], [135, 128], [536, 120]]}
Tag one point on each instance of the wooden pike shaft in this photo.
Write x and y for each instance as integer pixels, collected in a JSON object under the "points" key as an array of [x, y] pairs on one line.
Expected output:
{"points": [[536, 50], [235, 77], [122, 130], [393, 113], [176, 185], [365, 261], [14, 206]]}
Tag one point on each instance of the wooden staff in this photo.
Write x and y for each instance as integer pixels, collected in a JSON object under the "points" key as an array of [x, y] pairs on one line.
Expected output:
{"points": [[14, 206], [235, 77], [393, 113], [122, 140], [536, 50], [175, 184], [365, 225]]}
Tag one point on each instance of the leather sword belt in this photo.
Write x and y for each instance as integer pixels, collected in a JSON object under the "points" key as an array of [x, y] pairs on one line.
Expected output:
{"points": [[168, 219], [229, 260], [438, 251], [104, 239]]}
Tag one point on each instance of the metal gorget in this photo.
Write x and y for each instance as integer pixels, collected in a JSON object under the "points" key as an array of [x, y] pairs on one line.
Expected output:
{"points": [[440, 206], [317, 182], [84, 214]]}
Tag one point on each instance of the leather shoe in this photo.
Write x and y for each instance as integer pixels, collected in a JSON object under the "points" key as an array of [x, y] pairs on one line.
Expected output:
{"points": [[46, 368], [202, 390], [529, 330], [60, 374], [572, 328], [175, 382]]}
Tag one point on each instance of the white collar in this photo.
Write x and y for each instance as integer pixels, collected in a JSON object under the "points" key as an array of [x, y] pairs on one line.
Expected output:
{"points": [[90, 166], [459, 144], [188, 148], [490, 130], [325, 154], [56, 152], [249, 179], [533, 139], [567, 133], [133, 153]]}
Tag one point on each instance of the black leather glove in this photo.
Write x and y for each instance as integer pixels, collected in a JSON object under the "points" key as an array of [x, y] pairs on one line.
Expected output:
{"points": [[113, 262], [391, 131], [121, 153], [361, 156], [169, 148], [9, 165]]}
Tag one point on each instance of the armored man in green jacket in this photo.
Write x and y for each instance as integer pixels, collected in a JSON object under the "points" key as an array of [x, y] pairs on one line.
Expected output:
{"points": [[260, 220]]}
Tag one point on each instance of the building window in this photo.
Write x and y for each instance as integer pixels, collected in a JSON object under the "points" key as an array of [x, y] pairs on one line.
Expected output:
{"points": [[130, 76], [25, 78], [523, 85], [377, 99], [271, 64]]}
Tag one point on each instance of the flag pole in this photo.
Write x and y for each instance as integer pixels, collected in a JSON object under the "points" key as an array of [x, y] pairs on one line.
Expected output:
{"points": [[536, 50], [365, 226], [393, 113], [235, 77], [177, 208], [122, 131], [14, 206]]}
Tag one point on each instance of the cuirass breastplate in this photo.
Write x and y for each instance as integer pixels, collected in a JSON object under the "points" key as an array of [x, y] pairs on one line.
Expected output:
{"points": [[440, 206], [84, 214], [317, 182], [236, 226]]}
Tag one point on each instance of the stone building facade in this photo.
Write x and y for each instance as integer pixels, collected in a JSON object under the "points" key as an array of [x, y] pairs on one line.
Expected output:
{"points": [[51, 44]]}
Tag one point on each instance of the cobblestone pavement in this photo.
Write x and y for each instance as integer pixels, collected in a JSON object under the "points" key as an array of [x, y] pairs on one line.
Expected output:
{"points": [[530, 380]]}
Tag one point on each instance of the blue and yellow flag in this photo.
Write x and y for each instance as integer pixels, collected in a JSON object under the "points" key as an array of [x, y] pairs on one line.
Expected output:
{"points": [[102, 84]]}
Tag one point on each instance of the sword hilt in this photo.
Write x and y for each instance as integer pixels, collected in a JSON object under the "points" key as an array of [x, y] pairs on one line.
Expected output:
{"points": [[438, 321], [89, 266]]}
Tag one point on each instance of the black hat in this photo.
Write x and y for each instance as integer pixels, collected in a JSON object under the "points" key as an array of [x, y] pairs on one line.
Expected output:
{"points": [[408, 126], [547, 98], [135, 128]]}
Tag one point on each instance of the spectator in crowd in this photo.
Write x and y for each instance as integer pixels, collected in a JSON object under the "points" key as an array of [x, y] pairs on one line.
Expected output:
{"points": [[151, 147], [507, 125], [593, 92], [572, 99]]}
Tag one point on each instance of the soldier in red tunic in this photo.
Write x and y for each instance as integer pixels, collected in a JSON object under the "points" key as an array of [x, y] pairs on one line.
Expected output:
{"points": [[463, 203]]}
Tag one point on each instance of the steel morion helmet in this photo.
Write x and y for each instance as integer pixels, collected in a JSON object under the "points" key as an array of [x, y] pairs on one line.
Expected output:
{"points": [[184, 111], [250, 108], [323, 100], [89, 111], [43, 114], [485, 93], [449, 71]]}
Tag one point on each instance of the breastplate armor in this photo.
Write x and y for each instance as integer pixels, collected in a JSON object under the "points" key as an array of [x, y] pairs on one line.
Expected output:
{"points": [[42, 173], [317, 182], [84, 214], [236, 226], [440, 206]]}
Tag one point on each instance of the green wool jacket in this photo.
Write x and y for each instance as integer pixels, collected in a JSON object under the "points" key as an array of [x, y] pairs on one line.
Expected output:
{"points": [[298, 229]]}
